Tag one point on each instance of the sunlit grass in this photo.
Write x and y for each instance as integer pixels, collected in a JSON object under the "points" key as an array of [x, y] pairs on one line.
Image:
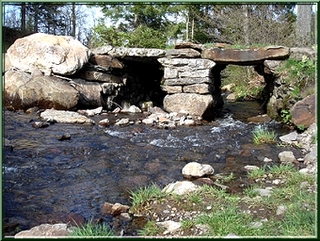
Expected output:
{"points": [[150, 229], [263, 136], [145, 194], [228, 211], [92, 230]]}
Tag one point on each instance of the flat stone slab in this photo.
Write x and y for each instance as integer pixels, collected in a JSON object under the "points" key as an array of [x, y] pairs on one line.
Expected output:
{"points": [[123, 52], [246, 56], [61, 116]]}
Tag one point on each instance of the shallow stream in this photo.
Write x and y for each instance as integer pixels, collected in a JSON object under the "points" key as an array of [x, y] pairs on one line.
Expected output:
{"points": [[45, 178]]}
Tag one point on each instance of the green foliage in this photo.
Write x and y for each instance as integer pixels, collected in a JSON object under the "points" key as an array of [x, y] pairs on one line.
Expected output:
{"points": [[263, 136], [299, 75], [286, 116], [202, 22], [241, 76], [146, 37], [301, 127], [295, 93], [92, 230], [104, 36]]}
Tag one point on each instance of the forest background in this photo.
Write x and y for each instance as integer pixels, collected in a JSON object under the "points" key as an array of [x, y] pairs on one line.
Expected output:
{"points": [[161, 25]]}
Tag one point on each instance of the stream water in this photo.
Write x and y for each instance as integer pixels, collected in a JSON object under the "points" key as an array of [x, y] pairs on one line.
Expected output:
{"points": [[45, 178]]}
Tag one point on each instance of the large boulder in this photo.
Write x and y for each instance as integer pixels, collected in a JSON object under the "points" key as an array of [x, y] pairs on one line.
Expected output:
{"points": [[89, 93], [62, 55], [23, 91], [304, 111], [193, 104]]}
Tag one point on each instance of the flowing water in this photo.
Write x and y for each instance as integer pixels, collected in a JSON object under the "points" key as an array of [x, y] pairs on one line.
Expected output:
{"points": [[46, 178]]}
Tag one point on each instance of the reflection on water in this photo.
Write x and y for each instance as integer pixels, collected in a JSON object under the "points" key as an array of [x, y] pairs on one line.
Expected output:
{"points": [[45, 179]]}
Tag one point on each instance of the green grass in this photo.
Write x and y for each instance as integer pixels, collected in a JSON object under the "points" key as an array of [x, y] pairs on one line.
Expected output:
{"points": [[144, 194], [226, 221], [151, 229], [262, 135], [228, 212], [92, 230]]}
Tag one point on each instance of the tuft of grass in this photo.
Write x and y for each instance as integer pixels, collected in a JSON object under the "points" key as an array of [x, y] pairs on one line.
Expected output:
{"points": [[257, 173], [145, 194], [251, 192], [194, 197], [187, 224], [229, 178], [151, 229], [92, 230], [263, 136]]}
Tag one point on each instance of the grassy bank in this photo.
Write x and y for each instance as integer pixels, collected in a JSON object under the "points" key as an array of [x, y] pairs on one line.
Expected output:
{"points": [[246, 214]]}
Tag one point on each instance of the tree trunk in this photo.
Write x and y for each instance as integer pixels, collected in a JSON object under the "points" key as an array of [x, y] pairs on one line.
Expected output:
{"points": [[187, 28], [303, 25], [192, 29], [246, 25], [73, 20], [23, 17], [36, 18]]}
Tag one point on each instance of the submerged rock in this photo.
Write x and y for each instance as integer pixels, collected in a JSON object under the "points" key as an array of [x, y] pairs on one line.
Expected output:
{"points": [[61, 116]]}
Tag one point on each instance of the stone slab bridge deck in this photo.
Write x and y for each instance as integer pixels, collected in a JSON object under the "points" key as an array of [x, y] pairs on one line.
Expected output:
{"points": [[191, 72]]}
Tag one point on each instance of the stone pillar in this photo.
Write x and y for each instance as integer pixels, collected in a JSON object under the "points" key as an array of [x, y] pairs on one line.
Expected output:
{"points": [[189, 86]]}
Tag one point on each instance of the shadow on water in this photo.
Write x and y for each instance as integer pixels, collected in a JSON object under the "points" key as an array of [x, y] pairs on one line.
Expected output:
{"points": [[45, 178]]}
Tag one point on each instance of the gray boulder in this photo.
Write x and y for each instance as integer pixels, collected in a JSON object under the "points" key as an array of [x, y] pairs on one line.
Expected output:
{"points": [[62, 55], [22, 92], [89, 92], [195, 169], [191, 103]]}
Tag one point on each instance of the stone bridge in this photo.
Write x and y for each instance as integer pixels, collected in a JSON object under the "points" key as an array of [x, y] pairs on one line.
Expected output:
{"points": [[56, 71], [191, 79]]}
